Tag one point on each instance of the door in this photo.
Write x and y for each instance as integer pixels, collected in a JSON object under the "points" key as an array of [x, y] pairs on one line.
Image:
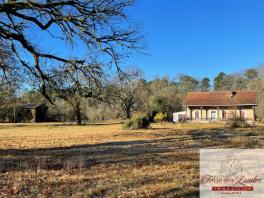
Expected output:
{"points": [[213, 115], [224, 114], [243, 114], [196, 115]]}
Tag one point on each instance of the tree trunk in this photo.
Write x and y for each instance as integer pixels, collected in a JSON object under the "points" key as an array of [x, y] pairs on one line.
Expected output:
{"points": [[78, 114], [128, 114], [128, 108]]}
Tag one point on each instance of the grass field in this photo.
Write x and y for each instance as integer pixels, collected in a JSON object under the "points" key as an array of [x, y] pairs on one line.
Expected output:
{"points": [[103, 160]]}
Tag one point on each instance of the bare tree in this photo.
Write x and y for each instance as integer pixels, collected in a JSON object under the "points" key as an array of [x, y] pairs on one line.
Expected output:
{"points": [[74, 87], [126, 91], [94, 23], [8, 65], [9, 80], [187, 83], [256, 82], [204, 84]]}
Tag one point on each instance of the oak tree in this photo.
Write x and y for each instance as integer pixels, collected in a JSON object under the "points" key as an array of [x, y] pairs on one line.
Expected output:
{"points": [[102, 27]]}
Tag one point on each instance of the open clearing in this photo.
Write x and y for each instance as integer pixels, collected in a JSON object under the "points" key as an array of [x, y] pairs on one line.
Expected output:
{"points": [[103, 160]]}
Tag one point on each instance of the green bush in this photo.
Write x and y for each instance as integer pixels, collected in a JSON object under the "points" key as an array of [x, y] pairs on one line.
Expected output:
{"points": [[237, 122], [160, 117], [138, 121]]}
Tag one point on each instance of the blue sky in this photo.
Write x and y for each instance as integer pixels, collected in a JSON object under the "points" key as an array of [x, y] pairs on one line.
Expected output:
{"points": [[200, 37]]}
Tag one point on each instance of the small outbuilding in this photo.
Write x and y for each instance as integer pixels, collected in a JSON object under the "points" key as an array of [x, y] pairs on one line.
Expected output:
{"points": [[179, 116], [37, 112], [28, 113]]}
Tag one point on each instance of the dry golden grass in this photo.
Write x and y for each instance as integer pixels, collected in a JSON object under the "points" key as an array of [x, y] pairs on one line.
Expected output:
{"points": [[23, 136], [103, 160]]}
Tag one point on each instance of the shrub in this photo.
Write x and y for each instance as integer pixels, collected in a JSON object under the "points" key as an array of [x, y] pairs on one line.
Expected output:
{"points": [[138, 121], [237, 122], [160, 117]]}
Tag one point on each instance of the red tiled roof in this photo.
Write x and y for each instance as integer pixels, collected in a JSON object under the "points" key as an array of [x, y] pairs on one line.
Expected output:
{"points": [[220, 98]]}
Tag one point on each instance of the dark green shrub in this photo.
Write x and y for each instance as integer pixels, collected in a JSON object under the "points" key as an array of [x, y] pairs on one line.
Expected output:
{"points": [[237, 122], [138, 121]]}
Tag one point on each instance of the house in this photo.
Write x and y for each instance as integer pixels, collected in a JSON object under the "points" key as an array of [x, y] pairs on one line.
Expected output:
{"points": [[220, 105]]}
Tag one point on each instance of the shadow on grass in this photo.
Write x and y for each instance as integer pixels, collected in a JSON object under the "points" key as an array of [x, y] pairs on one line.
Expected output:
{"points": [[216, 134], [53, 124], [155, 151], [167, 148], [180, 192], [85, 156]]}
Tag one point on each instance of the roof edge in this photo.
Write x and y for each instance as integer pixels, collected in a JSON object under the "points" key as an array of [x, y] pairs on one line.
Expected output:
{"points": [[222, 91], [220, 105]]}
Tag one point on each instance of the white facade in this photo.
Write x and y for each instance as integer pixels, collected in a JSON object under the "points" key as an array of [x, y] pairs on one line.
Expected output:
{"points": [[178, 115]]}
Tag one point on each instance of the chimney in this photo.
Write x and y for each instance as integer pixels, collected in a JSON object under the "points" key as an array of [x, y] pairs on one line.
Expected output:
{"points": [[232, 93]]}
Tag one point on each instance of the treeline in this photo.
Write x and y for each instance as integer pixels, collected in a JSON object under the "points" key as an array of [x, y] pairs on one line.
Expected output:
{"points": [[79, 86], [120, 98]]}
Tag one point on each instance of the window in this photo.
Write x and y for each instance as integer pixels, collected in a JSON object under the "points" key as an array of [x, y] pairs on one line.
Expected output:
{"points": [[196, 114]]}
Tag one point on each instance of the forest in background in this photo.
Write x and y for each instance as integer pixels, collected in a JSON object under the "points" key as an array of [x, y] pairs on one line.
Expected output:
{"points": [[121, 98], [92, 85]]}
